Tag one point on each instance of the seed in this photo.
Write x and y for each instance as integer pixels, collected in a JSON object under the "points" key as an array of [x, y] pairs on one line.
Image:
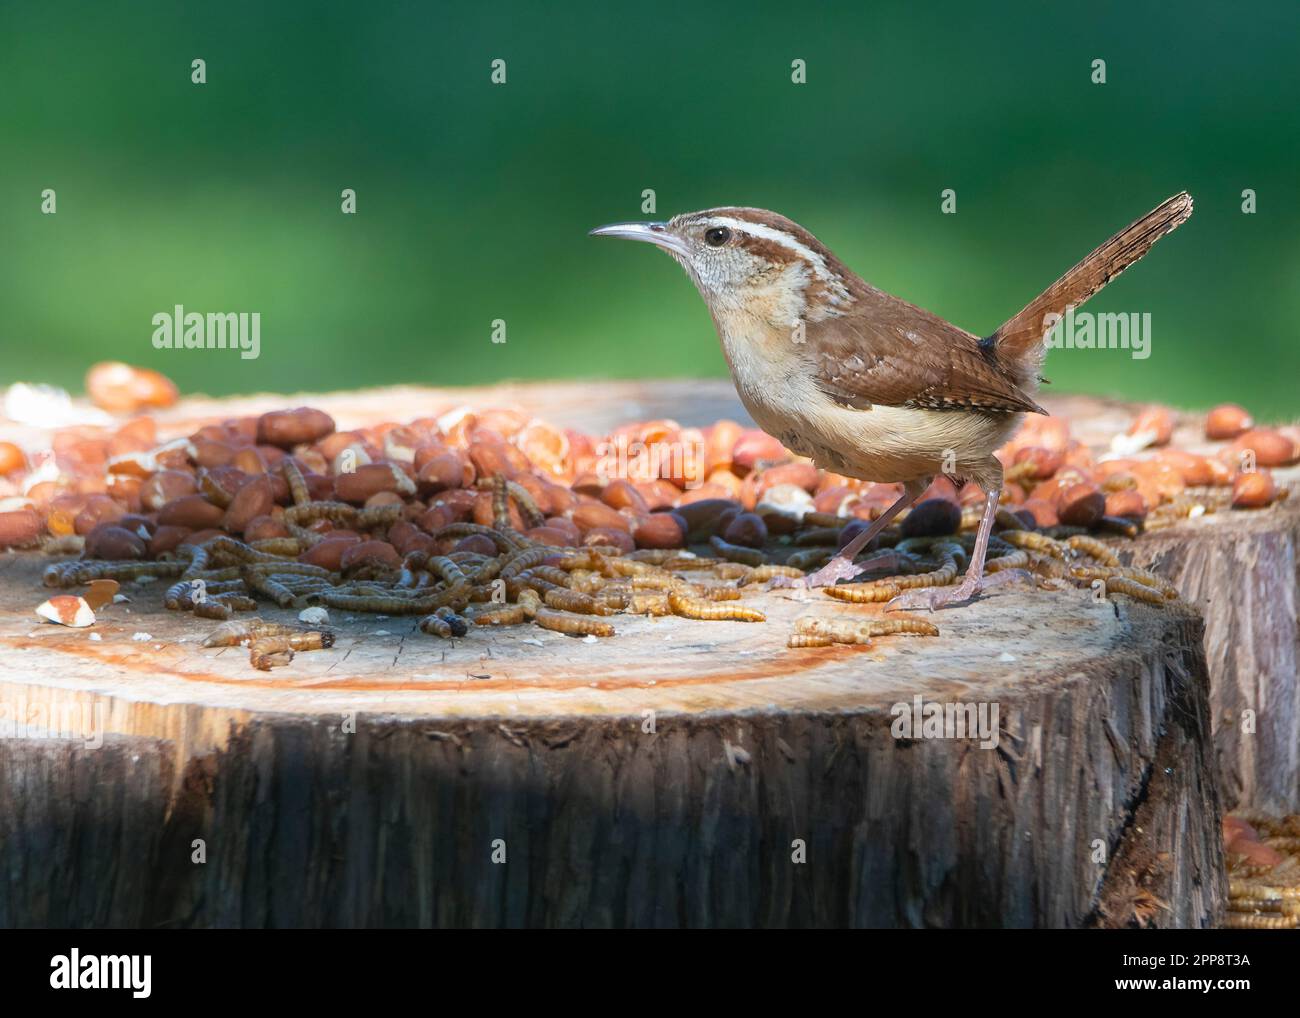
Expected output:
{"points": [[735, 553], [1227, 421]]}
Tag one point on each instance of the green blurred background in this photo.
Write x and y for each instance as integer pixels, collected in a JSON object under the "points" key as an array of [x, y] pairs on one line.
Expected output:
{"points": [[474, 199]]}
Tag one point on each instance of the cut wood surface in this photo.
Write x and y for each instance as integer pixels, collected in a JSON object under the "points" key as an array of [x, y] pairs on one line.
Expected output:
{"points": [[682, 773]]}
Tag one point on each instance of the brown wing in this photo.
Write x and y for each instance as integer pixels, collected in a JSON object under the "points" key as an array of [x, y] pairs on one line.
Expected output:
{"points": [[895, 354]]}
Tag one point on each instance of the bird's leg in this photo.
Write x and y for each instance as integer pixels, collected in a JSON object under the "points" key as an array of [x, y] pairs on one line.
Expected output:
{"points": [[841, 567], [973, 582]]}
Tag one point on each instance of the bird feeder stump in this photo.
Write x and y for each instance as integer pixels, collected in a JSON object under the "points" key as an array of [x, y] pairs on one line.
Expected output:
{"points": [[681, 773]]}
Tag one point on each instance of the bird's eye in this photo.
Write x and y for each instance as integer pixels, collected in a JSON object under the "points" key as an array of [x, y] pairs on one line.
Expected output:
{"points": [[717, 236]]}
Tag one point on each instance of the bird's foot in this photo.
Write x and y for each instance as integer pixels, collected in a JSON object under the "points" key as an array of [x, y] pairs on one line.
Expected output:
{"points": [[840, 568], [934, 598]]}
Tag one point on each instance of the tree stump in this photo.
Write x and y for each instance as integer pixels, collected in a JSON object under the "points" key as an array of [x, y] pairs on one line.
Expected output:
{"points": [[1240, 570], [680, 774]]}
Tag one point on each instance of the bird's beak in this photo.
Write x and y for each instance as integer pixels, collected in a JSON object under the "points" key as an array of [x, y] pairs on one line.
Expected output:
{"points": [[651, 233]]}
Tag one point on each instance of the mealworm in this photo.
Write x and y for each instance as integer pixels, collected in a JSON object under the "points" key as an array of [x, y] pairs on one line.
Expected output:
{"points": [[71, 574], [435, 625], [740, 571], [891, 627], [686, 562], [764, 573], [530, 602], [391, 604], [618, 566], [586, 581], [799, 641], [527, 581], [649, 604], [445, 623], [615, 599], [232, 550], [379, 516], [234, 633], [810, 559], [459, 624], [281, 567], [214, 492], [655, 556], [1118, 525], [1015, 560], [507, 615], [863, 593], [574, 601], [835, 630], [287, 547], [1134, 589], [269, 587], [211, 608], [1093, 548], [818, 535], [816, 519], [267, 654], [500, 501], [551, 574], [297, 483], [521, 560], [572, 625], [710, 611], [1031, 540], [338, 513], [1004, 518], [1256, 904], [735, 553], [533, 516], [445, 568], [667, 582], [239, 602], [179, 596], [1245, 921]]}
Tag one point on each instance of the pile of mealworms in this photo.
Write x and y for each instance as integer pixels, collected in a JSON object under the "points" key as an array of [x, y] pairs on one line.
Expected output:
{"points": [[495, 518], [571, 590], [1263, 855]]}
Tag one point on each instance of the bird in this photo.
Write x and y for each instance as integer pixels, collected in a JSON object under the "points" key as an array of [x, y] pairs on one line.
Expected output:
{"points": [[866, 384]]}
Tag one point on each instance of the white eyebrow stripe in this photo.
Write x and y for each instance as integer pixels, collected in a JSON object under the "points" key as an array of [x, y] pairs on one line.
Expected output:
{"points": [[780, 237]]}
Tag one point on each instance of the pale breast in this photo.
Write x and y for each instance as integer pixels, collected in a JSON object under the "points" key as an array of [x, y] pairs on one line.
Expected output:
{"points": [[880, 444]]}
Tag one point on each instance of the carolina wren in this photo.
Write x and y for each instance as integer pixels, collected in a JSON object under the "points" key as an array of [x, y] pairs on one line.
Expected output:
{"points": [[865, 383]]}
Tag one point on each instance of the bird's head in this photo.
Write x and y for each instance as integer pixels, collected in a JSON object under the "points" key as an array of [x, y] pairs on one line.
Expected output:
{"points": [[751, 262]]}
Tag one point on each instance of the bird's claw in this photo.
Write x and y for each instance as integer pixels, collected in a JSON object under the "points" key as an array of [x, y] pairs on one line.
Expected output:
{"points": [[838, 568], [934, 598]]}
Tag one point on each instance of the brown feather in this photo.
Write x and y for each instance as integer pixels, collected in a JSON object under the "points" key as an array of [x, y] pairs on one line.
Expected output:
{"points": [[887, 352], [1019, 342]]}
